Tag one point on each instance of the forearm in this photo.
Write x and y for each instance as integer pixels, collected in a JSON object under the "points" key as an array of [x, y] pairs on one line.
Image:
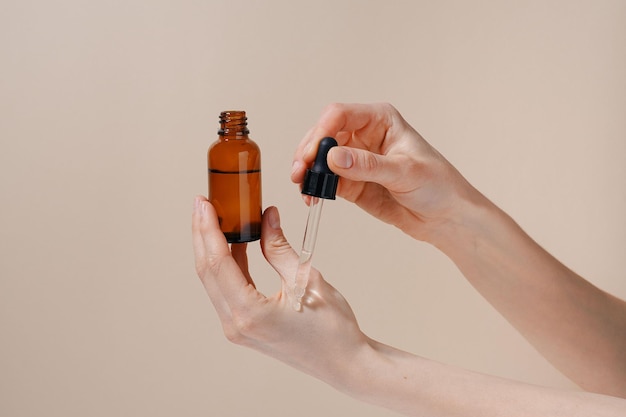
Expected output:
{"points": [[414, 386], [579, 328]]}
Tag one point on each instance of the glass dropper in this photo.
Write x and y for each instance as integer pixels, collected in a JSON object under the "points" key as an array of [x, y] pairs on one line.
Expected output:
{"points": [[308, 245], [320, 183]]}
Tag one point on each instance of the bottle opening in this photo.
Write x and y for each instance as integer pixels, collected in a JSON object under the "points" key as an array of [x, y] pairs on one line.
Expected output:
{"points": [[233, 122]]}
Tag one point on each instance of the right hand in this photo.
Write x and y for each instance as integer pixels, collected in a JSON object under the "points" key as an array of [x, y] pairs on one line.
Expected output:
{"points": [[387, 168]]}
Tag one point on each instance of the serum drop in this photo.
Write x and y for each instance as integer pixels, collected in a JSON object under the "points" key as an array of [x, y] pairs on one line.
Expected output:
{"points": [[234, 163]]}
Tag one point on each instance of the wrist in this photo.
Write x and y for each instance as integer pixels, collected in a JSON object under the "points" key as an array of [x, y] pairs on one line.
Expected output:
{"points": [[396, 380], [362, 376], [384, 376], [466, 223]]}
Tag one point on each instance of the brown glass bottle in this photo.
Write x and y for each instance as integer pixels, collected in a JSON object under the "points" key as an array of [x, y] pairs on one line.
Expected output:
{"points": [[234, 163]]}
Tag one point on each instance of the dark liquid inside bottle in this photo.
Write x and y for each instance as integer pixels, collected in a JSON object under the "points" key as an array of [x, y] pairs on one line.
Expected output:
{"points": [[235, 196], [234, 163]]}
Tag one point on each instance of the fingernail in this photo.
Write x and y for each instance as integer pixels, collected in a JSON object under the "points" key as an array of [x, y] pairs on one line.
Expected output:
{"points": [[295, 166], [274, 218], [196, 203], [342, 157], [307, 149], [203, 208]]}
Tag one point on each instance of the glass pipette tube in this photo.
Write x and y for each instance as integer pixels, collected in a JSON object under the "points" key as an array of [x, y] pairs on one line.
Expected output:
{"points": [[308, 245]]}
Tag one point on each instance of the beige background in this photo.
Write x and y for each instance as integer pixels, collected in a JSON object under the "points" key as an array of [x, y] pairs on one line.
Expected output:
{"points": [[106, 111]]}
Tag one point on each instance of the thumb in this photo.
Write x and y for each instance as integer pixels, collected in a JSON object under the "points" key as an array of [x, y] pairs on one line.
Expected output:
{"points": [[276, 248], [361, 165]]}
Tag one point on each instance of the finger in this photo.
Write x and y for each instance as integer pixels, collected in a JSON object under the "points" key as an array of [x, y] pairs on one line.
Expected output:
{"points": [[201, 260], [221, 268], [359, 165], [238, 251], [277, 249], [198, 243], [335, 118]]}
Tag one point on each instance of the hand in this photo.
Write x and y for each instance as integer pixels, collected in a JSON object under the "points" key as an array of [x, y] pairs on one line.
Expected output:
{"points": [[387, 168], [319, 340]]}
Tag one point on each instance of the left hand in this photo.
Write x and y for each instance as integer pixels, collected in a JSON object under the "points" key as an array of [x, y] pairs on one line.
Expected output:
{"points": [[322, 339]]}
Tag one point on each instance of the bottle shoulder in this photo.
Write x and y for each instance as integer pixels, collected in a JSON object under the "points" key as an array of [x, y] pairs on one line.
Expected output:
{"points": [[229, 155], [235, 145]]}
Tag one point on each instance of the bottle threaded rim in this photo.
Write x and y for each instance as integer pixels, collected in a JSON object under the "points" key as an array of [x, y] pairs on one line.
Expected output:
{"points": [[233, 122]]}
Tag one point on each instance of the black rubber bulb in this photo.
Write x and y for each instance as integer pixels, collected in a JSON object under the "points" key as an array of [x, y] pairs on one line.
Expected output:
{"points": [[319, 180], [321, 164]]}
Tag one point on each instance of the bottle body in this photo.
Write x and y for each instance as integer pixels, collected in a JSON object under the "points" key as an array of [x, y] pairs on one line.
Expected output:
{"points": [[234, 169]]}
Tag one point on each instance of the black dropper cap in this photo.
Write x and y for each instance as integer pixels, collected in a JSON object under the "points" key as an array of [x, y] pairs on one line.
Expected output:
{"points": [[319, 180]]}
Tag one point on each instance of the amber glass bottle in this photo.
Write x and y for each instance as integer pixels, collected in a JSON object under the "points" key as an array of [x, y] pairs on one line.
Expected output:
{"points": [[234, 162]]}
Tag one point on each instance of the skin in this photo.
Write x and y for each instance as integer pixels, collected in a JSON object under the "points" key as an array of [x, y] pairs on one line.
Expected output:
{"points": [[391, 172]]}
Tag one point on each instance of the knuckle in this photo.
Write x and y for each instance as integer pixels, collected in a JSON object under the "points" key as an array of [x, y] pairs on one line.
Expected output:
{"points": [[200, 267], [333, 114], [389, 114], [232, 334], [208, 266], [279, 245], [389, 107], [243, 326], [368, 162], [204, 228], [332, 108], [213, 264]]}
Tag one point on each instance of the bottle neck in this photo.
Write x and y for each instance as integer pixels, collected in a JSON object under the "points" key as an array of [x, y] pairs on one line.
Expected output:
{"points": [[233, 125]]}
